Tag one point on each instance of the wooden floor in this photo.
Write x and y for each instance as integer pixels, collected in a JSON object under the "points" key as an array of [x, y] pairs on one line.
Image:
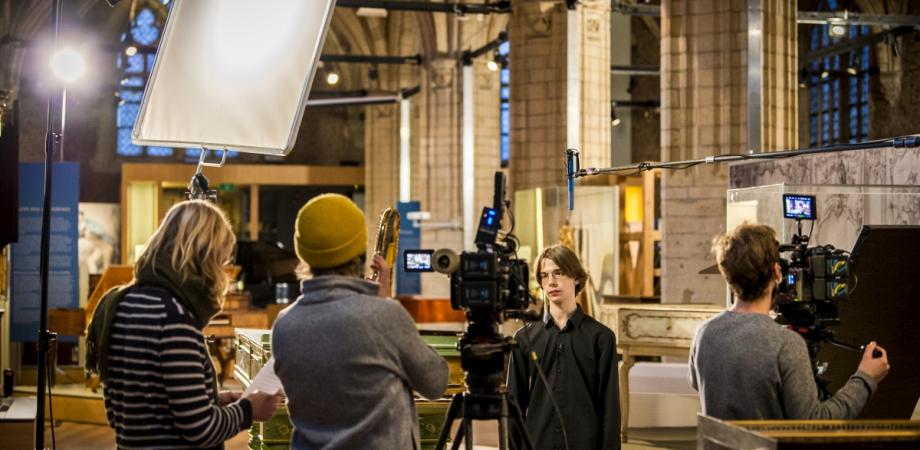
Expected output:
{"points": [[78, 436], [74, 436]]}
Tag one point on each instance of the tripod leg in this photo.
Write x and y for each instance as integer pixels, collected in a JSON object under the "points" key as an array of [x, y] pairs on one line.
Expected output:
{"points": [[468, 440], [452, 412], [503, 431], [459, 436], [519, 421]]}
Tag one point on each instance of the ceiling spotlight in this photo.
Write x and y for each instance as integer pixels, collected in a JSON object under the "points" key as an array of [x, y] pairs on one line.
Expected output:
{"points": [[851, 70], [332, 78], [68, 65], [836, 27], [131, 50], [492, 65], [825, 74]]}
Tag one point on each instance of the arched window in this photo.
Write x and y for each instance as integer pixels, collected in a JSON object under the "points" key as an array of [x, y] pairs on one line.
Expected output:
{"points": [[139, 45], [838, 86]]}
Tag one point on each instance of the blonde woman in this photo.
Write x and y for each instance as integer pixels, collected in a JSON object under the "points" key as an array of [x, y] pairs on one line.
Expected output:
{"points": [[146, 341]]}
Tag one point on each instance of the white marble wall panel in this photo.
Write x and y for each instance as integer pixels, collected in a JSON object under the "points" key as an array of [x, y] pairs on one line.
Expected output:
{"points": [[887, 166]]}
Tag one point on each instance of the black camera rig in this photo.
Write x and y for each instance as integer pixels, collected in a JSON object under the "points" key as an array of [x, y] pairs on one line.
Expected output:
{"points": [[814, 281], [489, 285]]}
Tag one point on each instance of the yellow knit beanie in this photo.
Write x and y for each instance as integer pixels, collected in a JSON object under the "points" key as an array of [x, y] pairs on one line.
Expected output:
{"points": [[329, 231]]}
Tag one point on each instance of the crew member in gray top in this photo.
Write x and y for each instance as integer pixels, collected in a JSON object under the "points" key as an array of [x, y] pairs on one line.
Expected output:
{"points": [[746, 366], [348, 359]]}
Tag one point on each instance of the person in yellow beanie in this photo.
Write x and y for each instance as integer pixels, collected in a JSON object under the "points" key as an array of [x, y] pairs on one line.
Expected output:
{"points": [[347, 358]]}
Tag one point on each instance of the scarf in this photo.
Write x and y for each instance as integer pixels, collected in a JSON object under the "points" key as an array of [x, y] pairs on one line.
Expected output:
{"points": [[193, 293]]}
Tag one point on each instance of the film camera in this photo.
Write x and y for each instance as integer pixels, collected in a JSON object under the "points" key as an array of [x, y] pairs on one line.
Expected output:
{"points": [[814, 278], [489, 285], [814, 282]]}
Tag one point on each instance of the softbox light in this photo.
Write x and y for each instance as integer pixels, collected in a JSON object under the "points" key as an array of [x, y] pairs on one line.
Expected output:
{"points": [[233, 74]]}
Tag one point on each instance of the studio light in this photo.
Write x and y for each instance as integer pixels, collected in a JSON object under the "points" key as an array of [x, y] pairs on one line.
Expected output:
{"points": [[68, 65], [332, 78]]}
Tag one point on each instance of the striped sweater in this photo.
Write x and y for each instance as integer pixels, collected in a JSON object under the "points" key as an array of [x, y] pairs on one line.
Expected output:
{"points": [[160, 391]]}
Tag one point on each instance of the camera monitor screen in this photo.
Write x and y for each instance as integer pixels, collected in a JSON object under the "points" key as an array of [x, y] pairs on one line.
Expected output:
{"points": [[799, 206], [418, 261]]}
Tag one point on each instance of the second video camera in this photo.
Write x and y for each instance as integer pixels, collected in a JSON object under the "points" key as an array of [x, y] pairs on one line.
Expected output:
{"points": [[814, 278]]}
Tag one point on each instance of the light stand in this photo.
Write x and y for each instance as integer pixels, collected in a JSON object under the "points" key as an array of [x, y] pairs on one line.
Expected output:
{"points": [[45, 335]]}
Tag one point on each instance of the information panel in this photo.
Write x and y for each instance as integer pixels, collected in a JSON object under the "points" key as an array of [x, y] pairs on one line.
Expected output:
{"points": [[63, 274]]}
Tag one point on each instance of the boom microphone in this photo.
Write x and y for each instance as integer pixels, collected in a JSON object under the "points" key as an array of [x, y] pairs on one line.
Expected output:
{"points": [[571, 168]]}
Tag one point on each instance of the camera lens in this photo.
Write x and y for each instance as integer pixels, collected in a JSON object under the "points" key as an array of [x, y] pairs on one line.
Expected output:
{"points": [[444, 261]]}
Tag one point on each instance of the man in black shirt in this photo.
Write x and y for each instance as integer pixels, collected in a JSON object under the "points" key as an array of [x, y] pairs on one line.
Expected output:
{"points": [[577, 354]]}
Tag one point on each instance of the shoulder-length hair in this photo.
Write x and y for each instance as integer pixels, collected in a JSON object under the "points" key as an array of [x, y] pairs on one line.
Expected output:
{"points": [[568, 263], [199, 241]]}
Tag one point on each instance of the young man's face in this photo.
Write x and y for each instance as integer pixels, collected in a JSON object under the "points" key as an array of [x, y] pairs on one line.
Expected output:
{"points": [[558, 287]]}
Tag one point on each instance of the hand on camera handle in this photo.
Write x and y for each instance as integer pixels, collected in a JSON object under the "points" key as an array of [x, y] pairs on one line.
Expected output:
{"points": [[875, 362]]}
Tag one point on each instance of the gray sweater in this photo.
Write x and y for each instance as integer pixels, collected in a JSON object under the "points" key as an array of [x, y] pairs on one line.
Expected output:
{"points": [[349, 361], [748, 367]]}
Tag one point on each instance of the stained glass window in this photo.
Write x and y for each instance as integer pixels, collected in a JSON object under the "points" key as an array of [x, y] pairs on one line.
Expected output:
{"points": [[136, 63], [838, 87], [505, 111]]}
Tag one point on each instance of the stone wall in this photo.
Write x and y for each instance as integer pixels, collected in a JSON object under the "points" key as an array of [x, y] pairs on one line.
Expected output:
{"points": [[704, 66]]}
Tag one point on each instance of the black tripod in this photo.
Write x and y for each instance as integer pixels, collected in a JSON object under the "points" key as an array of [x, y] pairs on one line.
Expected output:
{"points": [[482, 355], [469, 407]]}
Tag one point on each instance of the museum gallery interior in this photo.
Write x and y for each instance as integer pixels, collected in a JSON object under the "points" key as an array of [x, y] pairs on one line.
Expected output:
{"points": [[474, 134]]}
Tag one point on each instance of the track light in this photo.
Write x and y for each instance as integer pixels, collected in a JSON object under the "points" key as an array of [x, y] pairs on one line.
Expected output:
{"points": [[332, 78], [130, 50], [492, 66], [837, 26]]}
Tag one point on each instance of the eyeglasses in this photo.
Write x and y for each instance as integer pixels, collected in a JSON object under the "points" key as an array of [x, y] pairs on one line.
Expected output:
{"points": [[556, 274]]}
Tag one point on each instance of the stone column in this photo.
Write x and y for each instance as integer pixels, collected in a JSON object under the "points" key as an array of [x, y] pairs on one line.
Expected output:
{"points": [[705, 61], [545, 43]]}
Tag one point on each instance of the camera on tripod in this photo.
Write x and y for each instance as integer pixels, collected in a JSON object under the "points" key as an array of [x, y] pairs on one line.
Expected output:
{"points": [[490, 280], [489, 285]]}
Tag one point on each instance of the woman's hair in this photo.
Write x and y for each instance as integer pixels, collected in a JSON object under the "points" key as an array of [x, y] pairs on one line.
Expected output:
{"points": [[746, 257], [199, 241], [568, 263]]}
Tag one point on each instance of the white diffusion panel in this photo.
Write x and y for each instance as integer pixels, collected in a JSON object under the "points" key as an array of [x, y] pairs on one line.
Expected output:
{"points": [[233, 74]]}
